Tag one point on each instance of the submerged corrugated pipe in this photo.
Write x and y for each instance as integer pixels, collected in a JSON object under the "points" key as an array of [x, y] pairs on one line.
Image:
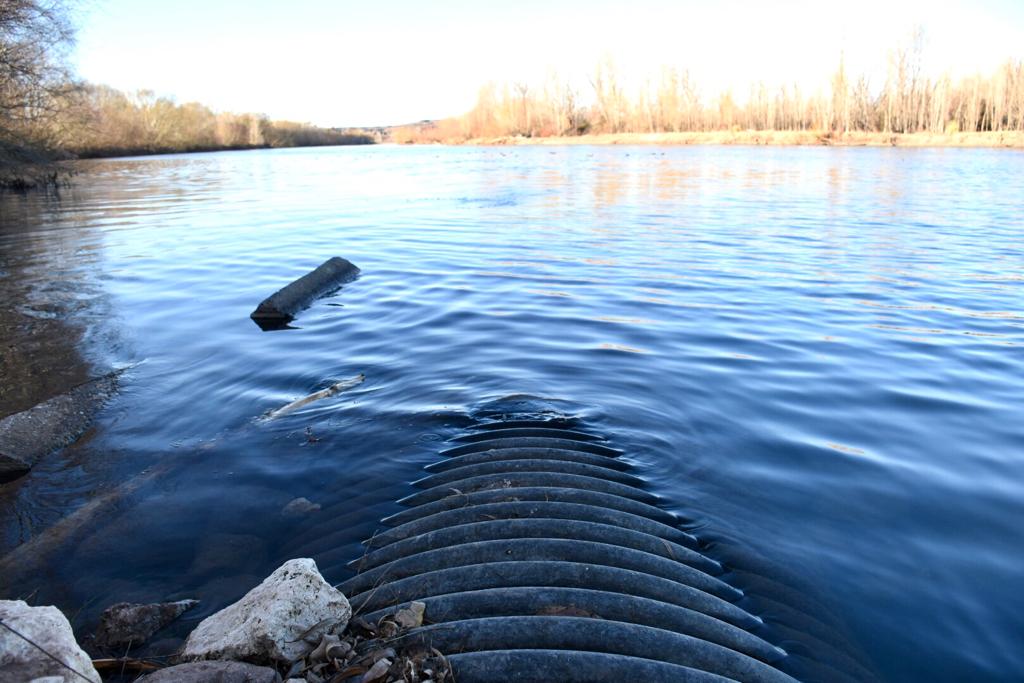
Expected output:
{"points": [[539, 557]]}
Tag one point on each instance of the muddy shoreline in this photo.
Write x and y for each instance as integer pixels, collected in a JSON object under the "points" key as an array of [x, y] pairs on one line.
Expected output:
{"points": [[51, 393], [39, 358]]}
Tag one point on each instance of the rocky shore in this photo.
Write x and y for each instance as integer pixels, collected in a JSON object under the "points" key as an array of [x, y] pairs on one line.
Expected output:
{"points": [[292, 627]]}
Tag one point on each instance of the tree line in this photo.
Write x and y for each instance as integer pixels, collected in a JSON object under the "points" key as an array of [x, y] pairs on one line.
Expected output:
{"points": [[908, 101], [106, 122], [46, 114]]}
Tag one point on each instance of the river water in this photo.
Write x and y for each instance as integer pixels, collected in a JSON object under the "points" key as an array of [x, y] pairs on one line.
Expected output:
{"points": [[815, 354]]}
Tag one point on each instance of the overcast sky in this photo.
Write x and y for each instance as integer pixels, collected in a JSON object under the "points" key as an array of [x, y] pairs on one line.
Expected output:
{"points": [[342, 63]]}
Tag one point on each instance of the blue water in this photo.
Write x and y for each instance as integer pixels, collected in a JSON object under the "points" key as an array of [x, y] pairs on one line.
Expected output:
{"points": [[815, 354]]}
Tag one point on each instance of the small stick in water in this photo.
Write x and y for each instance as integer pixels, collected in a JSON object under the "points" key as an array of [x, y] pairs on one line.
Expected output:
{"points": [[336, 388]]}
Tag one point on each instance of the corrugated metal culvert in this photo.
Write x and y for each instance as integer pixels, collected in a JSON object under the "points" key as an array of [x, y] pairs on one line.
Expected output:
{"points": [[539, 557]]}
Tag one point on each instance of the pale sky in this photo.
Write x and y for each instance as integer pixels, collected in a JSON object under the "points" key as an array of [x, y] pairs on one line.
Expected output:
{"points": [[339, 63]]}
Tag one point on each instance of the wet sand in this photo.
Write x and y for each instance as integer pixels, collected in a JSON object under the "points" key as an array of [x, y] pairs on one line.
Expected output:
{"points": [[39, 358]]}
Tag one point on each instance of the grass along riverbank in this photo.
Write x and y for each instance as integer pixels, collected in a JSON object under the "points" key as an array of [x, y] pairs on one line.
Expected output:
{"points": [[1014, 139]]}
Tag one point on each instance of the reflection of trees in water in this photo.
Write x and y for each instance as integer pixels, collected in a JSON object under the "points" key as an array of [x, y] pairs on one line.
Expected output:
{"points": [[667, 180], [48, 289], [609, 184], [54, 317], [52, 305], [671, 181], [115, 185]]}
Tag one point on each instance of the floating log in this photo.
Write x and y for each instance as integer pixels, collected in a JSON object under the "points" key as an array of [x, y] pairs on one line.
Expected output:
{"points": [[277, 310]]}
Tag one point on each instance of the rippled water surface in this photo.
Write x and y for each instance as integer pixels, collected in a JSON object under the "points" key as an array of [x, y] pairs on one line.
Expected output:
{"points": [[815, 354]]}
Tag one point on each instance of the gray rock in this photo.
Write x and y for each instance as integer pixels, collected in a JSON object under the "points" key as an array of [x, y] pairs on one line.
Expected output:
{"points": [[213, 672], [279, 620], [300, 507], [50, 630], [130, 625], [27, 436]]}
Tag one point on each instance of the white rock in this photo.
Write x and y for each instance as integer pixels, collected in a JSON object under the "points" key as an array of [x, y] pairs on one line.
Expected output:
{"points": [[279, 620], [47, 627], [129, 625]]}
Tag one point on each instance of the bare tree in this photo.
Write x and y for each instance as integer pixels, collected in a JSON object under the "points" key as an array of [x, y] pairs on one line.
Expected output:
{"points": [[610, 100], [839, 116], [524, 121], [35, 80]]}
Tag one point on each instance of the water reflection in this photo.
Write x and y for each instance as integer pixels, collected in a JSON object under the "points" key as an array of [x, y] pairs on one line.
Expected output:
{"points": [[49, 298], [809, 353]]}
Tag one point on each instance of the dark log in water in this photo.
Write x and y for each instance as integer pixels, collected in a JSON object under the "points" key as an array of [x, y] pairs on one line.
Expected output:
{"points": [[279, 309]]}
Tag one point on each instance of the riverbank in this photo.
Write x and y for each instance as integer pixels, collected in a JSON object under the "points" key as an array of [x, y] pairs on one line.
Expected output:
{"points": [[51, 390], [23, 167], [1012, 139], [32, 169], [39, 345], [342, 140], [52, 175]]}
